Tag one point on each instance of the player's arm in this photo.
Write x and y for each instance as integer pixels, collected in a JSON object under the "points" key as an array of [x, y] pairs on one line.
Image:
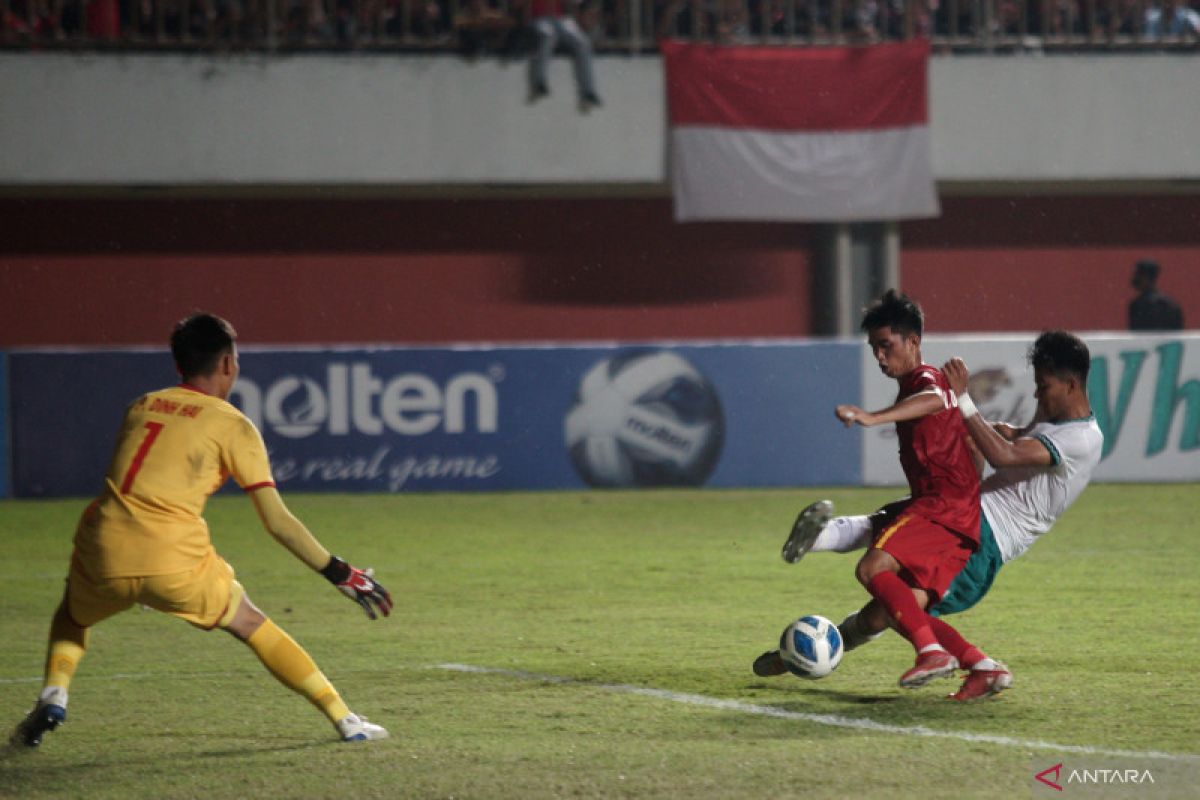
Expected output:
{"points": [[997, 450], [976, 456], [915, 406], [1010, 433], [358, 585]]}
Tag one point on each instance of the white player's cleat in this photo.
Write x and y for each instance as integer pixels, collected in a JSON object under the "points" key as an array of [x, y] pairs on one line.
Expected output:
{"points": [[354, 728], [807, 527], [769, 664]]}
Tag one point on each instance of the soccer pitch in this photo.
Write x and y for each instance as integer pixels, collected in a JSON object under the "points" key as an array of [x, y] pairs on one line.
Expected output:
{"points": [[599, 645]]}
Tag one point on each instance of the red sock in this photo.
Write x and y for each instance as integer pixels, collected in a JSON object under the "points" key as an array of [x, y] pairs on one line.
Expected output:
{"points": [[897, 598], [966, 653]]}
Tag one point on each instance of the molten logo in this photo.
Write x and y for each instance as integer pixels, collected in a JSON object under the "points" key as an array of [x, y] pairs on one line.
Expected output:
{"points": [[353, 399], [1057, 770]]}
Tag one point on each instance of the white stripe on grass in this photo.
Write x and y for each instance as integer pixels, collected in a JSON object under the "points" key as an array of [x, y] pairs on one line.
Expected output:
{"points": [[833, 720], [118, 676]]}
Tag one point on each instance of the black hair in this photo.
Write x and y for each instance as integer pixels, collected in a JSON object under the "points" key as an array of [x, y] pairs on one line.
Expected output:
{"points": [[896, 311], [198, 342], [1147, 268], [1062, 354]]}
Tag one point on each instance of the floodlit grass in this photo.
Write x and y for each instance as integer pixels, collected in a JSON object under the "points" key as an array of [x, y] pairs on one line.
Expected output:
{"points": [[671, 590]]}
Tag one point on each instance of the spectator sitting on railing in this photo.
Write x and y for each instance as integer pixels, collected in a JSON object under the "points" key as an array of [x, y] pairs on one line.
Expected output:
{"points": [[1172, 19], [553, 25]]}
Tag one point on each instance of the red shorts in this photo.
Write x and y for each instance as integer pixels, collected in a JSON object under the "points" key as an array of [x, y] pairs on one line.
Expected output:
{"points": [[930, 554]]}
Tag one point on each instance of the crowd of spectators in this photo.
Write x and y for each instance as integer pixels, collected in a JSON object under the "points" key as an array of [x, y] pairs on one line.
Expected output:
{"points": [[505, 27]]}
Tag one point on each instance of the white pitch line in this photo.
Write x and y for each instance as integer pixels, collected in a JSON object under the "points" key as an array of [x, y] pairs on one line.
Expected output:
{"points": [[136, 676], [833, 720], [168, 676]]}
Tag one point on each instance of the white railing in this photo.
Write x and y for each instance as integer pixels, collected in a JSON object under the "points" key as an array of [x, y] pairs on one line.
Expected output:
{"points": [[498, 27]]}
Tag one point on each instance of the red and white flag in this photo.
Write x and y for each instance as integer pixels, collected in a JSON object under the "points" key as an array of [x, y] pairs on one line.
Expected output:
{"points": [[817, 134]]}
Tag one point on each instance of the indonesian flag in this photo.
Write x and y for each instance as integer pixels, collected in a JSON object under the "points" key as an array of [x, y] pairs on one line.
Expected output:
{"points": [[813, 134]]}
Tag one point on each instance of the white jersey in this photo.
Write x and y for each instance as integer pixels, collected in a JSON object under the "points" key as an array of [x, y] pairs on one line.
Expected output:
{"points": [[1022, 503]]}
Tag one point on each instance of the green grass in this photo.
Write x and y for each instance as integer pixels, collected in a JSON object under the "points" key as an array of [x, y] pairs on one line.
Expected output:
{"points": [[674, 590]]}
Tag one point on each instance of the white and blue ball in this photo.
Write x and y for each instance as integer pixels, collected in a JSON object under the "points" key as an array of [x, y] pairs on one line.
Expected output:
{"points": [[645, 418], [811, 647]]}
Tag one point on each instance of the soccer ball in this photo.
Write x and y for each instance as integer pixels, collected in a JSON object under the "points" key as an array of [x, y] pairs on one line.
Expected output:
{"points": [[644, 418], [811, 647]]}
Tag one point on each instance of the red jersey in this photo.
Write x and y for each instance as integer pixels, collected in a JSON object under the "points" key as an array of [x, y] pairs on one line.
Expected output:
{"points": [[933, 452]]}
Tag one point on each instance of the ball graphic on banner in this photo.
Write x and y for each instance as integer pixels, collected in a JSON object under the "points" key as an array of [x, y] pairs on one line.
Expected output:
{"points": [[645, 418]]}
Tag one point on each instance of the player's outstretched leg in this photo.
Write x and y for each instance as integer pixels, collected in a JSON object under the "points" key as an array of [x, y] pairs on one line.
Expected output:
{"points": [[806, 529], [294, 668], [863, 626], [858, 628]]}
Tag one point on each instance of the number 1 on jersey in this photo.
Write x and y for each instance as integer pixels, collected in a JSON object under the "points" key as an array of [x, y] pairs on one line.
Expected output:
{"points": [[152, 431]]}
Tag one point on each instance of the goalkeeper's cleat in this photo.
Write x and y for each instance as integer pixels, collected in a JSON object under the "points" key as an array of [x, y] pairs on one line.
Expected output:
{"points": [[807, 527], [930, 665], [44, 717], [354, 728], [769, 664], [981, 683]]}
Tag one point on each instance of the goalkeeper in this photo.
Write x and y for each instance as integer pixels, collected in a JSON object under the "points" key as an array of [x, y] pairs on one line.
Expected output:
{"points": [[143, 540]]}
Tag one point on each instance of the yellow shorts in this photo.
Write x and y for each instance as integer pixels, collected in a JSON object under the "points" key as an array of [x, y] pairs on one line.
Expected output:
{"points": [[206, 597]]}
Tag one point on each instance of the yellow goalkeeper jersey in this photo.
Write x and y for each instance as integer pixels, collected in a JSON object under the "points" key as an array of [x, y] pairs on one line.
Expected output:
{"points": [[176, 447]]}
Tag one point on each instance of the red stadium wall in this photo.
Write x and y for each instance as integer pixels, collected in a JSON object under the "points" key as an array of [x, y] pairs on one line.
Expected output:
{"points": [[121, 272], [86, 271]]}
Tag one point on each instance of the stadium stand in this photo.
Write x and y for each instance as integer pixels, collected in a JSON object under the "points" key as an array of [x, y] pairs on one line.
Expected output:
{"points": [[632, 26]]}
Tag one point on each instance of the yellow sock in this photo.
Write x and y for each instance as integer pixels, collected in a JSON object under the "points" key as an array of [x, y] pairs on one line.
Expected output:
{"points": [[68, 642], [295, 669]]}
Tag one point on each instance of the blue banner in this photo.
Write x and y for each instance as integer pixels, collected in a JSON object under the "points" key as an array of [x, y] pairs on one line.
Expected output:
{"points": [[453, 419]]}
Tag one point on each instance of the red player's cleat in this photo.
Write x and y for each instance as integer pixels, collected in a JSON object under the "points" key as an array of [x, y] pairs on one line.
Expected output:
{"points": [[981, 683], [930, 664]]}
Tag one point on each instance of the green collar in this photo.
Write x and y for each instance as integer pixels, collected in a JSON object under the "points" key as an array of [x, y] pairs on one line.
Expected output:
{"points": [[1088, 418]]}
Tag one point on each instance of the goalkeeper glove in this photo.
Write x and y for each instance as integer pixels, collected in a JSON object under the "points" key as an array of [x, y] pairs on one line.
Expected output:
{"points": [[358, 585]]}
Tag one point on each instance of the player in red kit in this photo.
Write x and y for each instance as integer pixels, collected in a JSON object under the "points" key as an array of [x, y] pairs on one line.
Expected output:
{"points": [[921, 543]]}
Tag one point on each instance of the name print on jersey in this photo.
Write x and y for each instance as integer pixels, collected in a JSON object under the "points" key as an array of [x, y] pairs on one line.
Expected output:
{"points": [[164, 406]]}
